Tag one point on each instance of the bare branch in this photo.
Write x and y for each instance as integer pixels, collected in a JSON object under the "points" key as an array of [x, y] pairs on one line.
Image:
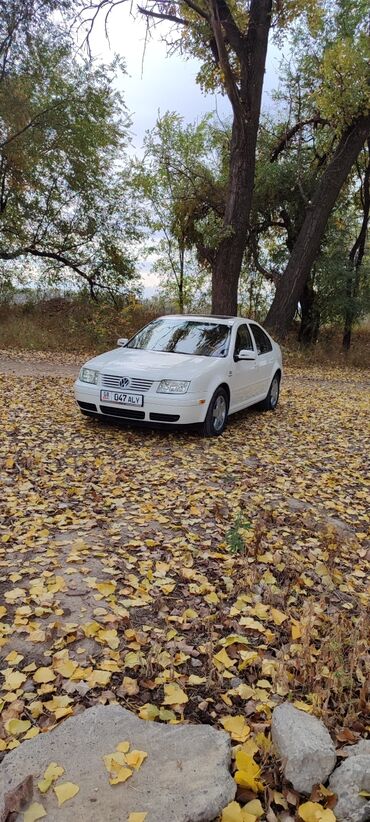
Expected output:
{"points": [[290, 133], [171, 17]]}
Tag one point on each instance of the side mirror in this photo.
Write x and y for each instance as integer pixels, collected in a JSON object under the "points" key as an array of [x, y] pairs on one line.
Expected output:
{"points": [[121, 342], [245, 354]]}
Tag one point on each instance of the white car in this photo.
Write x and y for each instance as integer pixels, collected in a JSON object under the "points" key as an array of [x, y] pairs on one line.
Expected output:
{"points": [[182, 369]]}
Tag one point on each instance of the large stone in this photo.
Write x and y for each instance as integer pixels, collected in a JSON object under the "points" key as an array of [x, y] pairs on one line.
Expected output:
{"points": [[347, 781], [304, 746], [184, 778], [362, 748]]}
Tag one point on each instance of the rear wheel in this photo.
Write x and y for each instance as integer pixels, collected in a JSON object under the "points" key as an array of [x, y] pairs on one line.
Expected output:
{"points": [[216, 418], [272, 399]]}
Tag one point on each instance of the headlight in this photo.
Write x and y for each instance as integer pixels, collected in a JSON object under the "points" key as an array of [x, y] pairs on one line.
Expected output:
{"points": [[173, 387], [89, 375]]}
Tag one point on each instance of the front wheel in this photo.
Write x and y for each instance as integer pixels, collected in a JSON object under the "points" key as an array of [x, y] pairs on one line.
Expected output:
{"points": [[272, 399], [216, 418]]}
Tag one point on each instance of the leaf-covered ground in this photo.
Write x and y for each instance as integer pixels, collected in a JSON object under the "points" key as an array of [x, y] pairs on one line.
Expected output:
{"points": [[188, 579]]}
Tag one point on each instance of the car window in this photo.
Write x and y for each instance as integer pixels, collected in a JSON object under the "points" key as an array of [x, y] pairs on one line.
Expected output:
{"points": [[243, 340], [262, 341]]}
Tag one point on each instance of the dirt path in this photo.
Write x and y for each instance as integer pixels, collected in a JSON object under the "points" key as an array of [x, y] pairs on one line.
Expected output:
{"points": [[29, 367]]}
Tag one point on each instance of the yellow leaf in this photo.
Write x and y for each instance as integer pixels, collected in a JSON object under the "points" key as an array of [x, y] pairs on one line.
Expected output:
{"points": [[114, 761], [148, 711], [13, 658], [249, 747], [278, 616], [106, 588], [136, 758], [236, 726], [232, 813], [34, 812], [313, 812], [65, 791], [248, 771], [235, 639], [252, 624], [212, 598], [65, 667], [302, 706], [222, 660], [137, 817], [296, 629], [110, 637], [99, 678], [120, 776], [174, 695], [196, 680], [14, 680], [31, 733], [123, 747], [52, 773], [254, 807], [43, 675], [15, 727]]}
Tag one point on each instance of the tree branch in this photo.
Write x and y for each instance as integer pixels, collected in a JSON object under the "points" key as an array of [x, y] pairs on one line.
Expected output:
{"points": [[232, 31], [230, 84], [171, 17], [33, 122], [290, 133]]}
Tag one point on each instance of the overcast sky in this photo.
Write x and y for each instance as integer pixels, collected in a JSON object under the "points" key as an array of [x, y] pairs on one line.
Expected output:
{"points": [[160, 83], [155, 83]]}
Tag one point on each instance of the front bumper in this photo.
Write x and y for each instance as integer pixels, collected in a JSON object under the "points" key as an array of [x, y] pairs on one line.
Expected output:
{"points": [[175, 409]]}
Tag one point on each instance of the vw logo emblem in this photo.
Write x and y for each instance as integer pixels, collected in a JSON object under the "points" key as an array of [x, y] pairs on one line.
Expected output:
{"points": [[124, 382]]}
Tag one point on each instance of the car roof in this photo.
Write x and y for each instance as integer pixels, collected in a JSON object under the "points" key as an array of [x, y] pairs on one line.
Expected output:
{"points": [[205, 317]]}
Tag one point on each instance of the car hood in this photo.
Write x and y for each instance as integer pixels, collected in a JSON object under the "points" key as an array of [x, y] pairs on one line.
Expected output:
{"points": [[153, 365]]}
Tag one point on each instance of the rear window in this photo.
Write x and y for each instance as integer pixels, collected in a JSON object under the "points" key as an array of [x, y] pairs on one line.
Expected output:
{"points": [[262, 341]]}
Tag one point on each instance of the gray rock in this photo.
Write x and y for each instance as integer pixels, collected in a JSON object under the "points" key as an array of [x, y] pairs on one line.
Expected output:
{"points": [[304, 745], [185, 776], [347, 781], [362, 748]]}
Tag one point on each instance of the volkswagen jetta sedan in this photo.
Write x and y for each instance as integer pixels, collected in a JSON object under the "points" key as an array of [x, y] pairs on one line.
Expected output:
{"points": [[182, 369]]}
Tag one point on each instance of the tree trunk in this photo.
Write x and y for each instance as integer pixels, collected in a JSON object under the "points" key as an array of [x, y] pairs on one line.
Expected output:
{"points": [[181, 281], [310, 316], [356, 256], [307, 246], [247, 108]]}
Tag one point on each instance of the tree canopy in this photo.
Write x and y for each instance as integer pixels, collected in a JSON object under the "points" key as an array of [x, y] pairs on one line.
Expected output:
{"points": [[64, 199]]}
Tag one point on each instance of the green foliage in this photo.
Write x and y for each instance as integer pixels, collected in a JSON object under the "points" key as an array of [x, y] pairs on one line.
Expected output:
{"points": [[182, 179], [66, 201], [235, 534]]}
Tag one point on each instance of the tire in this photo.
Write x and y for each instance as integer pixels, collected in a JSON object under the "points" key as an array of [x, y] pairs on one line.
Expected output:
{"points": [[272, 399], [216, 417]]}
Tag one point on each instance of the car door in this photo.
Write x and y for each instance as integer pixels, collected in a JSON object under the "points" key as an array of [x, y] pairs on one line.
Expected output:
{"points": [[265, 359], [243, 381]]}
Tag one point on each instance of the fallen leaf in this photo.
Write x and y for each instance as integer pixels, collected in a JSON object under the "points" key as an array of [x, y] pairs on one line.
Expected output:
{"points": [[34, 812], [65, 791]]}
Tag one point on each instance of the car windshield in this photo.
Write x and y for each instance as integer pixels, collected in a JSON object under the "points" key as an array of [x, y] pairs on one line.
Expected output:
{"points": [[178, 336]]}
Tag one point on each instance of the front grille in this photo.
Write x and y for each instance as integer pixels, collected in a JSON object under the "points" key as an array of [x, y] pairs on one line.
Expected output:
{"points": [[164, 417], [114, 381], [121, 412]]}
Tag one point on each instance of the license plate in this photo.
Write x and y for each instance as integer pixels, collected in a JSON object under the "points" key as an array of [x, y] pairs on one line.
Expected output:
{"points": [[122, 398]]}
